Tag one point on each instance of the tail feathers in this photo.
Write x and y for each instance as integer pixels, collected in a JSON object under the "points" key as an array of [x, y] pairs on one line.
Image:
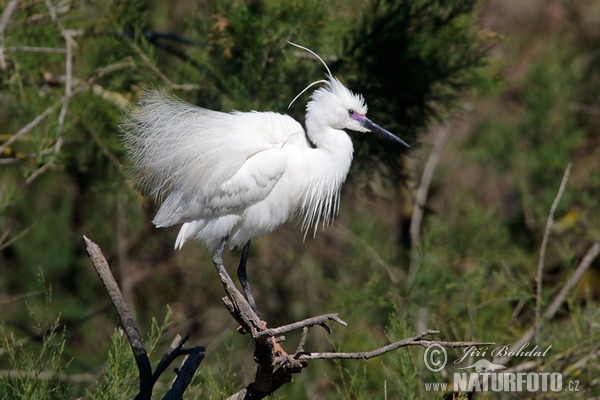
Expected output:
{"points": [[187, 231], [210, 232]]}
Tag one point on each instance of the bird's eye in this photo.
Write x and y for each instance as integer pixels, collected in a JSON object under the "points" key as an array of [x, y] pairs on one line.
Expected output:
{"points": [[355, 115]]}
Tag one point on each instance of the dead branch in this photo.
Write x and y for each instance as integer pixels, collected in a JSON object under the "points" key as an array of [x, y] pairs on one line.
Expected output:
{"points": [[558, 300], [275, 367], [185, 374], [421, 200], [6, 14], [147, 378], [127, 321], [413, 341], [542, 257], [306, 323]]}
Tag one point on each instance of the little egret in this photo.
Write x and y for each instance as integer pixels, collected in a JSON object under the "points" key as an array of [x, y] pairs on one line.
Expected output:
{"points": [[229, 177]]}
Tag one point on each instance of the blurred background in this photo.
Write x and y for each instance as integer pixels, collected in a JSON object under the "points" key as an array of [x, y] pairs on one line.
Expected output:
{"points": [[496, 98]]}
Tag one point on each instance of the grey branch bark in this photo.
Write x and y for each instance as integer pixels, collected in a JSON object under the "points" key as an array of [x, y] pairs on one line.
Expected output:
{"points": [[147, 378], [127, 321], [275, 367]]}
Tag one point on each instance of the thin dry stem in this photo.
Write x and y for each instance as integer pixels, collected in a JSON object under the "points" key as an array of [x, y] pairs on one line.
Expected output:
{"points": [[421, 200], [70, 43], [544, 245], [147, 378], [6, 14], [276, 368], [558, 301], [127, 321]]}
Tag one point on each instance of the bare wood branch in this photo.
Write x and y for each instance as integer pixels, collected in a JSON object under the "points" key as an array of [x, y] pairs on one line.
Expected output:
{"points": [[185, 374], [558, 301], [318, 320], [24, 130], [35, 49], [583, 266], [45, 375], [276, 368], [300, 348], [421, 200], [175, 350], [415, 341], [348, 233], [147, 379], [6, 14], [127, 321], [542, 257], [69, 44]]}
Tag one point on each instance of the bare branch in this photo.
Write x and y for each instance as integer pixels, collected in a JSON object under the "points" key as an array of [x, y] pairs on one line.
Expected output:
{"points": [[185, 374], [147, 379], [583, 266], [127, 321], [6, 14], [414, 341], [544, 245], [275, 367], [560, 298], [318, 320], [24, 130], [46, 375], [69, 44], [421, 200], [35, 49]]}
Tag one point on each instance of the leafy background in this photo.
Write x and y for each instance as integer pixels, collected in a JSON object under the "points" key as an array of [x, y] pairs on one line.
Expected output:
{"points": [[513, 84]]}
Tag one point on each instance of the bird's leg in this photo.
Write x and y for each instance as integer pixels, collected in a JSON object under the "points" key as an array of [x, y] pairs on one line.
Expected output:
{"points": [[243, 278], [218, 260]]}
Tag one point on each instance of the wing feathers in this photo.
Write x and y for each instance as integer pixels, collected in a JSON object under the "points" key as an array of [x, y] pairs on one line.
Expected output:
{"points": [[209, 163]]}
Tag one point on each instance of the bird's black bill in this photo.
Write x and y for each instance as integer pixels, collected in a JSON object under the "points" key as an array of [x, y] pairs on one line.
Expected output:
{"points": [[384, 133]]}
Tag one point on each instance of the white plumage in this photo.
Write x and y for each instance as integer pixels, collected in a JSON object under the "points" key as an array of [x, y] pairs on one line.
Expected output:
{"points": [[242, 174]]}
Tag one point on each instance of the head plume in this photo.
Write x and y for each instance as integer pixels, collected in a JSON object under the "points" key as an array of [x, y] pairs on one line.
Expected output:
{"points": [[333, 85], [315, 82]]}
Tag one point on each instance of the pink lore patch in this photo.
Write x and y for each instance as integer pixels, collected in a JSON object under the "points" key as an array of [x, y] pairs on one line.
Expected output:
{"points": [[357, 116]]}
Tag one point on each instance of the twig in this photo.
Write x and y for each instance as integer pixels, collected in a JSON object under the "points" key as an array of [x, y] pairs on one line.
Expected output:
{"points": [[127, 321], [276, 368], [318, 320], [585, 263], [174, 351], [372, 252], [421, 200], [147, 379], [414, 341], [48, 376], [544, 245], [35, 49], [69, 44], [6, 14], [8, 243], [147, 61], [560, 298], [24, 130], [185, 374], [302, 342]]}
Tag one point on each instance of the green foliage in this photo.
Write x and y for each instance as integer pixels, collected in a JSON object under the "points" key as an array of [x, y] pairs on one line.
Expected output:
{"points": [[437, 53], [36, 369], [120, 372], [414, 62]]}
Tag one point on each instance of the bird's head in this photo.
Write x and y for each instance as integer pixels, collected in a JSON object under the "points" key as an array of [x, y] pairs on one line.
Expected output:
{"points": [[344, 109], [336, 106]]}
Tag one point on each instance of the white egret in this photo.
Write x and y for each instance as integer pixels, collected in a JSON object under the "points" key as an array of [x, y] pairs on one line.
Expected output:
{"points": [[229, 177]]}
